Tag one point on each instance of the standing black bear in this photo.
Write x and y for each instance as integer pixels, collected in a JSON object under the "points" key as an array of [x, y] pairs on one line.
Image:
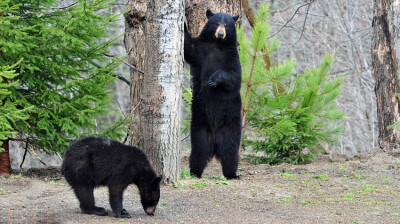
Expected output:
{"points": [[91, 162], [216, 106]]}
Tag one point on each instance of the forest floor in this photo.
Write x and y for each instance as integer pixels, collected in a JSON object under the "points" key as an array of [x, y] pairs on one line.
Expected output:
{"points": [[333, 189]]}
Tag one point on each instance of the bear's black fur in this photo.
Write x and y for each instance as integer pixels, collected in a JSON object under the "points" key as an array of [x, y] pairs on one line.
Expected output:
{"points": [[91, 162], [216, 106]]}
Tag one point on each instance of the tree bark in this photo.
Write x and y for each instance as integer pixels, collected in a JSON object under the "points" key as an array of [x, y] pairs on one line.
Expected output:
{"points": [[196, 12], [385, 53], [135, 41], [5, 166]]}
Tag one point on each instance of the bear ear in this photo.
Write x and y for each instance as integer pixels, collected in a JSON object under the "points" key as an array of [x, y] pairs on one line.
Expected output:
{"points": [[209, 13], [235, 18]]}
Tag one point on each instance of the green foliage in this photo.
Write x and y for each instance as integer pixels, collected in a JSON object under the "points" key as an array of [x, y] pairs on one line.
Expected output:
{"points": [[185, 174], [52, 87], [187, 99], [286, 113]]}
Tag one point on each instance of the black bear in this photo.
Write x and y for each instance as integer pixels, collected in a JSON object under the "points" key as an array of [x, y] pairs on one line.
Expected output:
{"points": [[216, 106], [92, 161]]}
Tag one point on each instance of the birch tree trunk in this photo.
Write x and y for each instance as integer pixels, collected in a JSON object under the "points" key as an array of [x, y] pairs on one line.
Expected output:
{"points": [[196, 12], [154, 41], [385, 61]]}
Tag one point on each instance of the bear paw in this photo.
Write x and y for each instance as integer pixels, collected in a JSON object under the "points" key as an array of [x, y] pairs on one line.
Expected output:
{"points": [[214, 80], [124, 214], [236, 177]]}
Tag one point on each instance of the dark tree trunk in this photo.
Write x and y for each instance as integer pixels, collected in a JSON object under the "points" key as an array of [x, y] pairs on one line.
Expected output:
{"points": [[195, 11], [135, 45], [5, 166], [385, 66]]}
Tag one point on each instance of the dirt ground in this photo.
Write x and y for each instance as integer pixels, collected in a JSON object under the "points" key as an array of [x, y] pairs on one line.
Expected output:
{"points": [[334, 189]]}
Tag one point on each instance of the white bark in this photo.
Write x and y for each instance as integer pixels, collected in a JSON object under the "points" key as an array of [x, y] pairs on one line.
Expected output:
{"points": [[162, 86]]}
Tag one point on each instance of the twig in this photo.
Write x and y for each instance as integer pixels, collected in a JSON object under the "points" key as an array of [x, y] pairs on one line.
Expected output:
{"points": [[114, 75], [122, 79], [304, 23], [309, 3], [126, 63], [185, 138], [66, 7], [37, 157]]}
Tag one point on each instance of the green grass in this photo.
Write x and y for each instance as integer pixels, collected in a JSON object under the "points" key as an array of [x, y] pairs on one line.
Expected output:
{"points": [[185, 174], [199, 185], [17, 176], [321, 177], [57, 183]]}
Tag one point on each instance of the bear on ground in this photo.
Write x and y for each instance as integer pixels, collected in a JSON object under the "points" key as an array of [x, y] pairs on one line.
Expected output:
{"points": [[216, 106], [91, 162]]}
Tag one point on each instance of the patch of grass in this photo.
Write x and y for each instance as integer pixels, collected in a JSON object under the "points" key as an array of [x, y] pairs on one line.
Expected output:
{"points": [[358, 174], [341, 169], [358, 222], [3, 191], [321, 177], [164, 203], [348, 197], [57, 183], [178, 184], [384, 181], [285, 200], [367, 188], [395, 214], [289, 176], [307, 202], [223, 182], [17, 176], [185, 174], [199, 185]]}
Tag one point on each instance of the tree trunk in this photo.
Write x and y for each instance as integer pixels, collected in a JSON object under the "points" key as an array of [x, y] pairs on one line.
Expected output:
{"points": [[196, 12], [135, 41], [385, 62], [5, 166], [154, 41]]}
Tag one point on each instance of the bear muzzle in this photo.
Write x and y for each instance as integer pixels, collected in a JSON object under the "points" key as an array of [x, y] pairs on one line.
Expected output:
{"points": [[150, 210], [220, 33]]}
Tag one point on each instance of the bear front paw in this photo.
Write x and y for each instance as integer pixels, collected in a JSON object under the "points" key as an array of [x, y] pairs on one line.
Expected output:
{"points": [[214, 80], [124, 214]]}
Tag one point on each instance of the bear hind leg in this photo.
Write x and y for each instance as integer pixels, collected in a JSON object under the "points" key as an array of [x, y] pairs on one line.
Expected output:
{"points": [[228, 152], [202, 152]]}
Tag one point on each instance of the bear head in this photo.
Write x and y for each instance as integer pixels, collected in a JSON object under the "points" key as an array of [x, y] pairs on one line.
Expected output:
{"points": [[150, 195], [220, 27]]}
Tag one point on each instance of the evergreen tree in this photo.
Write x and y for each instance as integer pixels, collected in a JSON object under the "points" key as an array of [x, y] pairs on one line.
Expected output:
{"points": [[286, 113], [54, 76]]}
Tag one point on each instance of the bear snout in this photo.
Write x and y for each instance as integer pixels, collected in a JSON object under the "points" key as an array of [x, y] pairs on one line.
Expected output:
{"points": [[220, 33], [150, 210]]}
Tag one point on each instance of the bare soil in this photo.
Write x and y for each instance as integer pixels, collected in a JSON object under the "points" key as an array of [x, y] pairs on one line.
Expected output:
{"points": [[333, 189]]}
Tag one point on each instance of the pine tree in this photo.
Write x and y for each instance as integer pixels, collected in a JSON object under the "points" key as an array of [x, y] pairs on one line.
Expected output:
{"points": [[55, 79], [286, 113]]}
